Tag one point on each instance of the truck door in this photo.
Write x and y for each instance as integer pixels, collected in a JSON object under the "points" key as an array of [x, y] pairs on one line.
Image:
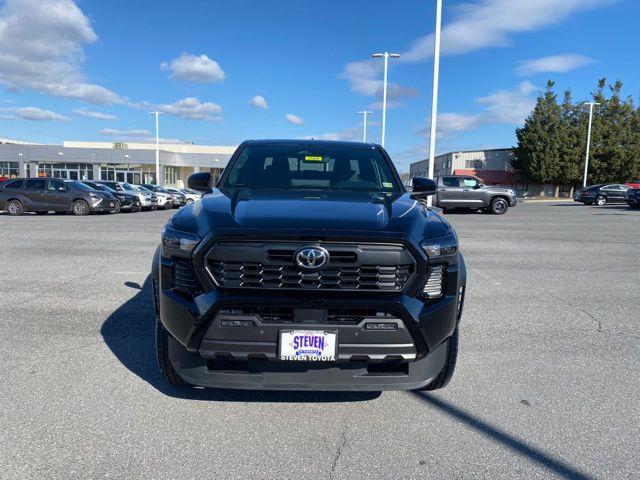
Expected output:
{"points": [[449, 192], [472, 193]]}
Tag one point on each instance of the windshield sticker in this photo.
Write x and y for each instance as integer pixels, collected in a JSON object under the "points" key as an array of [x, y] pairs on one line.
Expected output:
{"points": [[387, 184], [312, 158]]}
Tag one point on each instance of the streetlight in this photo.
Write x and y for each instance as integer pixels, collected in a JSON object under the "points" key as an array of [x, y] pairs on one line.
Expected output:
{"points": [[364, 125], [586, 156], [157, 115], [386, 56], [434, 93]]}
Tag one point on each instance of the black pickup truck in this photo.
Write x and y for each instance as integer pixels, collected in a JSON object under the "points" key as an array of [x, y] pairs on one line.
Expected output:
{"points": [[308, 267]]}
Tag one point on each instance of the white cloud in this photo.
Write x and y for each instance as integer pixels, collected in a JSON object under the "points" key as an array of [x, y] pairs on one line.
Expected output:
{"points": [[492, 23], [258, 102], [41, 49], [194, 68], [508, 107], [291, 118], [83, 112], [553, 64], [190, 108], [31, 113], [114, 132], [353, 133], [364, 77]]}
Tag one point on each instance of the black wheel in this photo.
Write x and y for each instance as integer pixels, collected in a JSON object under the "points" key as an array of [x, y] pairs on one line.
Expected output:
{"points": [[499, 206], [190, 201], [444, 377], [601, 200], [80, 207], [162, 352], [15, 207], [117, 209], [40, 212], [136, 208]]}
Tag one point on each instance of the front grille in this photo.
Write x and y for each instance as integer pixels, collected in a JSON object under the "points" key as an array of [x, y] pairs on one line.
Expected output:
{"points": [[257, 275], [258, 265], [183, 278]]}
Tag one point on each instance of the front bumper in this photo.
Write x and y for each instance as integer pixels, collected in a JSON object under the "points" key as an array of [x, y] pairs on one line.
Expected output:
{"points": [[206, 353], [513, 201], [102, 205]]}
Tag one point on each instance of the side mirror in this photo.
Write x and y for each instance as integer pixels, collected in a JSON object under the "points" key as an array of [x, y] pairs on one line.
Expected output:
{"points": [[478, 185], [423, 187], [200, 182], [62, 189]]}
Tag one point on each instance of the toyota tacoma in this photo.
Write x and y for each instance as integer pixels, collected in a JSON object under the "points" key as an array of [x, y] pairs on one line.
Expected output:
{"points": [[308, 267]]}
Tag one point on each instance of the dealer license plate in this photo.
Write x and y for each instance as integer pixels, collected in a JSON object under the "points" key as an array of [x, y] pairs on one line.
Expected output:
{"points": [[308, 345]]}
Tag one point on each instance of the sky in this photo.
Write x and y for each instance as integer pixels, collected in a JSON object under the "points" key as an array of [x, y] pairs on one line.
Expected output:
{"points": [[226, 70]]}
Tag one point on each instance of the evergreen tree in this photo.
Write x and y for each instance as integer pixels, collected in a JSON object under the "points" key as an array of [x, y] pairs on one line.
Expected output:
{"points": [[538, 153]]}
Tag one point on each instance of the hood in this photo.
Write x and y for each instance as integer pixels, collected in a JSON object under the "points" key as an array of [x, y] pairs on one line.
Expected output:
{"points": [[296, 211]]}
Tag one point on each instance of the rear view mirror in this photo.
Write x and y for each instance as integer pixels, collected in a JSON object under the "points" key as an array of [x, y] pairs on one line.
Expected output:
{"points": [[423, 187], [200, 182]]}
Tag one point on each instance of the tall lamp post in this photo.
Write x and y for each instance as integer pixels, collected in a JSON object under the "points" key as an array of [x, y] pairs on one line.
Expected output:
{"points": [[586, 155], [434, 93], [158, 176], [364, 124], [386, 56]]}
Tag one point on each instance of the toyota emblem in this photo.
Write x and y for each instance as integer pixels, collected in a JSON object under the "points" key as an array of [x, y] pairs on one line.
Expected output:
{"points": [[311, 257]]}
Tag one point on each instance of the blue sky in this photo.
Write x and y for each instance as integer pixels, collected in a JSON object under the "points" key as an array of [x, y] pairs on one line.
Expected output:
{"points": [[91, 70]]}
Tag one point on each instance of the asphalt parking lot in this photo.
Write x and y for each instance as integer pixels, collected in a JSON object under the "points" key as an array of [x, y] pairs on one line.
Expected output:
{"points": [[547, 383]]}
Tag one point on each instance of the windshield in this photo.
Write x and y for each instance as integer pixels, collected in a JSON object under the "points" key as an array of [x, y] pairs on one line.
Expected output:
{"points": [[76, 185], [143, 189], [308, 166], [128, 186]]}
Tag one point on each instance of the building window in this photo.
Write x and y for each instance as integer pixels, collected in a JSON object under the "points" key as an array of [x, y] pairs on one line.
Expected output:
{"points": [[72, 171], [9, 170], [475, 164], [171, 176], [126, 172]]}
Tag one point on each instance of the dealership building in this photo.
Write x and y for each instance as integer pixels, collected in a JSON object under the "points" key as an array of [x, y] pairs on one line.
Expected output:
{"points": [[492, 166], [121, 161]]}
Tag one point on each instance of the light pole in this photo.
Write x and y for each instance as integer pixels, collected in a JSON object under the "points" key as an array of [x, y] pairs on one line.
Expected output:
{"points": [[434, 93], [364, 125], [157, 115], [386, 56], [586, 155]]}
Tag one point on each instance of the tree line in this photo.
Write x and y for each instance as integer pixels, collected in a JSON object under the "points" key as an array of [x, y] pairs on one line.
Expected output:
{"points": [[552, 142]]}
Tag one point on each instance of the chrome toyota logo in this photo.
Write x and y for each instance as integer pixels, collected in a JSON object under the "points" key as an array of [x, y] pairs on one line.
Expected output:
{"points": [[312, 257]]}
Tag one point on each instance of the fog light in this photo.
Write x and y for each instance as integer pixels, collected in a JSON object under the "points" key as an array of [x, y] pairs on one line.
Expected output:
{"points": [[433, 285]]}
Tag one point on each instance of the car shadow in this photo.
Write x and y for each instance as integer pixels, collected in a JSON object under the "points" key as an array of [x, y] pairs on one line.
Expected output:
{"points": [[129, 332], [497, 435]]}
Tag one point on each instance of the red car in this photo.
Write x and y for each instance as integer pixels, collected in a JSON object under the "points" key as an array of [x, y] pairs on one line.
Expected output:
{"points": [[634, 184]]}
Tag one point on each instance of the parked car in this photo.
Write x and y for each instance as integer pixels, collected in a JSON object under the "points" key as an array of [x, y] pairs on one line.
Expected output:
{"points": [[632, 197], [458, 191], [42, 195], [602, 194], [179, 198], [148, 200], [634, 184], [165, 199], [128, 202], [191, 195], [321, 273]]}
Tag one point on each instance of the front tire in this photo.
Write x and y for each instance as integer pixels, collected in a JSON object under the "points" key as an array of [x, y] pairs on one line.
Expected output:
{"points": [[15, 207], [117, 209], [80, 208], [499, 206], [601, 200], [444, 377]]}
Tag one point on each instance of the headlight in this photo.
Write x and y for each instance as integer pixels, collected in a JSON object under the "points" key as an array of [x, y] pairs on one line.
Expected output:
{"points": [[178, 242], [441, 248]]}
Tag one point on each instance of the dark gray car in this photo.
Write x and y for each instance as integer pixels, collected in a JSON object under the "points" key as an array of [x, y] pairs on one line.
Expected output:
{"points": [[42, 195], [457, 191]]}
